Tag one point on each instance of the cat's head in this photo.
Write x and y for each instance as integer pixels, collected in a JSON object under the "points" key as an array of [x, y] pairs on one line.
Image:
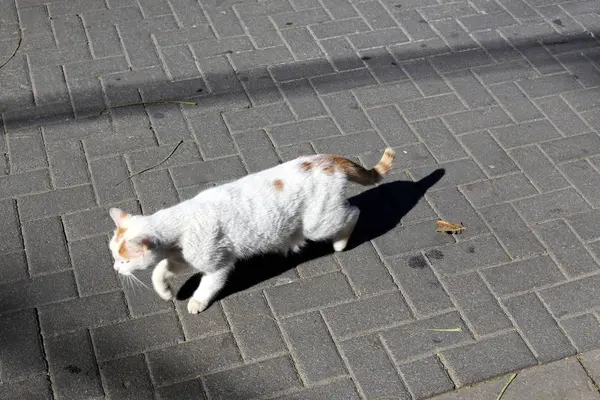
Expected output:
{"points": [[131, 249]]}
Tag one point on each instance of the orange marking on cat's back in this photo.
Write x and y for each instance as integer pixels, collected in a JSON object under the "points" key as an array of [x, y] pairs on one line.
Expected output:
{"points": [[306, 166], [278, 184]]}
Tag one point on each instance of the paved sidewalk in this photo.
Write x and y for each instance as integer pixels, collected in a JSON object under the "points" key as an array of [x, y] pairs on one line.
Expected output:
{"points": [[493, 107]]}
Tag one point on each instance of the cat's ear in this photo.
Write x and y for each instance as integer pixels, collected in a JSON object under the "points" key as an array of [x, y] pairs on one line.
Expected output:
{"points": [[117, 215]]}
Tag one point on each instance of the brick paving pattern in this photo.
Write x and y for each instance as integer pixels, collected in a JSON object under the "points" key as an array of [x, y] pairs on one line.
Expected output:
{"points": [[493, 107]]}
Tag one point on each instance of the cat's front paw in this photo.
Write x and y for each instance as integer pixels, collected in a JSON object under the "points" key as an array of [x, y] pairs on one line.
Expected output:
{"points": [[195, 307], [165, 292]]}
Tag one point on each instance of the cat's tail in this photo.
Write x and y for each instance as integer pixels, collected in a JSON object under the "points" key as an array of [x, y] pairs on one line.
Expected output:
{"points": [[366, 177]]}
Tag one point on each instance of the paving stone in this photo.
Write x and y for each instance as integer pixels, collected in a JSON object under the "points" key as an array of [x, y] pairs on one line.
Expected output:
{"points": [[417, 30], [45, 246], [455, 35], [188, 390], [523, 275], [302, 98], [466, 255], [309, 293], [314, 351], [346, 112], [382, 65], [584, 224], [26, 153], [144, 301], [469, 121], [431, 107], [498, 190], [488, 153], [44, 289], [483, 390], [515, 102], [458, 172], [82, 313], [339, 390], [367, 314], [208, 171], [573, 147], [297, 132], [94, 222], [410, 238], [92, 264], [572, 297], [566, 248], [256, 332], [541, 330], [190, 359], [68, 164], [422, 288], [350, 144], [549, 206], [10, 233], [545, 86], [72, 366], [253, 379], [439, 140], [372, 367], [343, 81], [56, 202], [465, 59], [17, 185], [301, 69], [506, 72], [391, 125], [155, 191], [470, 90], [584, 177], [21, 353], [470, 363], [257, 150], [127, 378], [15, 267], [365, 270], [29, 389], [387, 94], [538, 168], [338, 28], [426, 377], [301, 44], [210, 322], [583, 330], [423, 336], [375, 15], [132, 337], [525, 133]]}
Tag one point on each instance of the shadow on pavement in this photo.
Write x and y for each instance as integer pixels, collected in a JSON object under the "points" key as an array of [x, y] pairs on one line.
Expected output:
{"points": [[382, 209]]}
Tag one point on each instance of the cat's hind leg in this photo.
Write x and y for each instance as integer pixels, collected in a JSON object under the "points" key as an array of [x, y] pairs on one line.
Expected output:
{"points": [[341, 238], [210, 286]]}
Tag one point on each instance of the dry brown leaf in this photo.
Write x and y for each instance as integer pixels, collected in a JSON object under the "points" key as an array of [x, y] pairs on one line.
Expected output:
{"points": [[449, 227]]}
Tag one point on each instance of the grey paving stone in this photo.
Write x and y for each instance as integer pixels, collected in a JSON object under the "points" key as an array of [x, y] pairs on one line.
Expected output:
{"points": [[188, 390], [26, 153], [470, 90], [418, 282], [143, 301], [469, 364], [365, 270], [45, 246], [135, 336], [458, 172], [109, 176], [455, 35], [424, 336], [417, 30], [15, 267], [387, 94], [515, 102], [29, 389], [583, 100], [431, 107], [392, 126], [439, 140], [487, 21], [572, 297], [498, 190], [155, 191], [549, 206], [224, 21], [10, 233], [17, 185], [488, 153], [68, 165], [187, 360], [302, 98], [583, 330], [314, 351], [318, 266], [127, 378], [257, 150], [343, 81], [505, 72], [469, 121], [252, 380], [301, 44], [301, 131], [256, 332], [346, 112], [210, 131], [72, 366], [208, 171], [584, 224], [350, 144], [538, 168], [384, 37], [307, 294], [464, 59], [477, 303], [373, 369], [539, 328], [301, 69], [140, 160], [212, 321], [339, 390], [92, 265], [466, 255], [584, 177], [426, 377], [549, 85], [56, 202], [81, 313], [410, 238], [338, 28], [367, 314], [525, 133], [566, 248], [44, 289], [523, 275], [375, 15], [21, 353], [382, 65], [450, 10]]}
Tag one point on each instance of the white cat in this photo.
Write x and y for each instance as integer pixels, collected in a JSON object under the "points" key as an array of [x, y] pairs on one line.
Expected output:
{"points": [[274, 210]]}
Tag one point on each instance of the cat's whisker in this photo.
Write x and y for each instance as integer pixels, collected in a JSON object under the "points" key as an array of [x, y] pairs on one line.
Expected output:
{"points": [[136, 279]]}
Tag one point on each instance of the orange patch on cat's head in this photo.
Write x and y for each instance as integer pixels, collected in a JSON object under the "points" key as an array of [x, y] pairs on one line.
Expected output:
{"points": [[123, 252], [278, 184], [306, 166], [120, 232]]}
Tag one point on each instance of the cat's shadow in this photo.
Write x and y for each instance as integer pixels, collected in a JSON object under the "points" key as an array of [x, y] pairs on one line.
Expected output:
{"points": [[381, 209]]}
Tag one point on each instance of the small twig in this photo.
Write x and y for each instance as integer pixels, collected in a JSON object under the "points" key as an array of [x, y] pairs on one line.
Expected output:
{"points": [[512, 378], [148, 103], [16, 49], [154, 166]]}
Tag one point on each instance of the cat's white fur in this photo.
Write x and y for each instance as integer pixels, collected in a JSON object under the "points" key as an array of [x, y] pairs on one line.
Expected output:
{"points": [[274, 210]]}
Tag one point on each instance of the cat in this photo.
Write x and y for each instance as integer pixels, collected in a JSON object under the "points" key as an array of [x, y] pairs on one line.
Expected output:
{"points": [[274, 210]]}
